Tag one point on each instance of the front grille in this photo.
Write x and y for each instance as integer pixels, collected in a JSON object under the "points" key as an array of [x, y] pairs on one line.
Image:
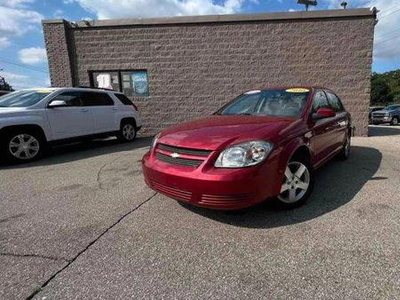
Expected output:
{"points": [[172, 191], [179, 161], [189, 157], [181, 150], [378, 115]]}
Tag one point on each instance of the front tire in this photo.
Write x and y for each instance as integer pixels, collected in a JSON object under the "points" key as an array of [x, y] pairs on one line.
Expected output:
{"points": [[127, 131], [395, 121], [297, 184], [23, 146]]}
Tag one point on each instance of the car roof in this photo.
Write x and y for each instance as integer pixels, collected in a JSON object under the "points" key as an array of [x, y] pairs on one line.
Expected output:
{"points": [[286, 87], [84, 89]]}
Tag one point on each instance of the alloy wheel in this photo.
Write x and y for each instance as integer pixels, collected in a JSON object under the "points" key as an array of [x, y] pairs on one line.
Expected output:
{"points": [[129, 132], [295, 183], [24, 146]]}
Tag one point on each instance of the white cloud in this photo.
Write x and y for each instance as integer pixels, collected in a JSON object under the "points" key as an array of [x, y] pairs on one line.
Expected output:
{"points": [[18, 21], [32, 55], [17, 81], [387, 37], [47, 82], [58, 14], [4, 42], [16, 3], [12, 76], [21, 81], [107, 9]]}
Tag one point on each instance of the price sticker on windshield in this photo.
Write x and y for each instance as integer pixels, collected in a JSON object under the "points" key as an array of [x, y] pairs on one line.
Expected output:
{"points": [[297, 90], [43, 91], [252, 92]]}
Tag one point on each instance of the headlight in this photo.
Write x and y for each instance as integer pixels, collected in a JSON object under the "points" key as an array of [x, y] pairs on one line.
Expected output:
{"points": [[387, 114], [244, 155], [154, 141]]}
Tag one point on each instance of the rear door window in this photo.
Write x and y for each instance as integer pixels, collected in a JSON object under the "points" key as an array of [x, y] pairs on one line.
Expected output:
{"points": [[124, 99], [71, 98], [335, 102], [320, 101], [96, 99]]}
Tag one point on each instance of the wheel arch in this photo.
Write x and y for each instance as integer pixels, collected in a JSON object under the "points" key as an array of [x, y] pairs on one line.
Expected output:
{"points": [[302, 152], [295, 148], [128, 119], [30, 127]]}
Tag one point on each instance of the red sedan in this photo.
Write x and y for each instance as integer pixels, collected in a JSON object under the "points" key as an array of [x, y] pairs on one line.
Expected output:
{"points": [[264, 144]]}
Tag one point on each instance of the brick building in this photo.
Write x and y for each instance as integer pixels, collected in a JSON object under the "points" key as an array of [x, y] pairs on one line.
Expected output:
{"points": [[181, 68]]}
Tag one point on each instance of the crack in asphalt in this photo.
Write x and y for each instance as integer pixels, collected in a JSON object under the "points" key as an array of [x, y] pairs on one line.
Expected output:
{"points": [[33, 255], [88, 246], [105, 165]]}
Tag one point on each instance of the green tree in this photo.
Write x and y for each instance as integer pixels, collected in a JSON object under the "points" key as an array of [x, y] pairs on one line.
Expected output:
{"points": [[380, 92], [385, 88], [4, 86]]}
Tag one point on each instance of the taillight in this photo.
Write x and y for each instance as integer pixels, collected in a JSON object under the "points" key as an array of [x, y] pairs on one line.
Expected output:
{"points": [[135, 107]]}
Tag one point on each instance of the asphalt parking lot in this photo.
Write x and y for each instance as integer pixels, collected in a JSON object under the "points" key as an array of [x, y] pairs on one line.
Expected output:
{"points": [[82, 224]]}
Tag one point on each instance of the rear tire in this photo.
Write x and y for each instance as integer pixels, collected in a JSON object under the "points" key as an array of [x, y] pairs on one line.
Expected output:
{"points": [[297, 184], [20, 146], [345, 152], [127, 132], [395, 121]]}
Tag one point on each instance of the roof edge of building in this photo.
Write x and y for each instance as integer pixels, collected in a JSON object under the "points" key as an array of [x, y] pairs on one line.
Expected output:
{"points": [[276, 16]]}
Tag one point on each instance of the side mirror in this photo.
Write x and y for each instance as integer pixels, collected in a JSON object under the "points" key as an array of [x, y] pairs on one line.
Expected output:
{"points": [[323, 113], [57, 103]]}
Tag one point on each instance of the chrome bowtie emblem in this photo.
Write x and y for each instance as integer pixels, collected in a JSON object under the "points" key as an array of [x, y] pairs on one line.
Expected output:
{"points": [[175, 155]]}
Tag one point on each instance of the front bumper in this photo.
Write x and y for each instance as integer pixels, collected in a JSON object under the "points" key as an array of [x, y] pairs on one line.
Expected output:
{"points": [[210, 187], [381, 120]]}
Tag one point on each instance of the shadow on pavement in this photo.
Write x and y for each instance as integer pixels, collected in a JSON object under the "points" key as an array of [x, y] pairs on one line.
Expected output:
{"points": [[336, 184], [383, 130], [77, 151]]}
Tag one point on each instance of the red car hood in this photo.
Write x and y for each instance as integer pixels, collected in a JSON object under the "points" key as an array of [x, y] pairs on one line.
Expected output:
{"points": [[215, 132]]}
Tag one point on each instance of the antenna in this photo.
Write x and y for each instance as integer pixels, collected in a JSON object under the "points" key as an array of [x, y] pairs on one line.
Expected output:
{"points": [[307, 3]]}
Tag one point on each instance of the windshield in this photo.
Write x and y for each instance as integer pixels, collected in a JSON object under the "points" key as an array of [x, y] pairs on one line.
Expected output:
{"points": [[289, 103], [391, 107], [23, 98]]}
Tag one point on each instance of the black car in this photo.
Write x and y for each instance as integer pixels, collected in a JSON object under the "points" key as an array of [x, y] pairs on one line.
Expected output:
{"points": [[389, 114], [372, 109]]}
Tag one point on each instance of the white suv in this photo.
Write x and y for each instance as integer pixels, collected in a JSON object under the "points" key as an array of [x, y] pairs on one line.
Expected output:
{"points": [[30, 119]]}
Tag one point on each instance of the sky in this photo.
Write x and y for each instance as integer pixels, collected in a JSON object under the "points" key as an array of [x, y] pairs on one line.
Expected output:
{"points": [[23, 56]]}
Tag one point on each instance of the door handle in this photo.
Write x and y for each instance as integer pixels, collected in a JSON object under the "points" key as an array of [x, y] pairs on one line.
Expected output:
{"points": [[84, 109], [114, 109]]}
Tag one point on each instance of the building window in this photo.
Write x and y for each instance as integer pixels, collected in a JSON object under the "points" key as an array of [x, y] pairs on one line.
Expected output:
{"points": [[107, 80], [135, 83], [131, 83]]}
